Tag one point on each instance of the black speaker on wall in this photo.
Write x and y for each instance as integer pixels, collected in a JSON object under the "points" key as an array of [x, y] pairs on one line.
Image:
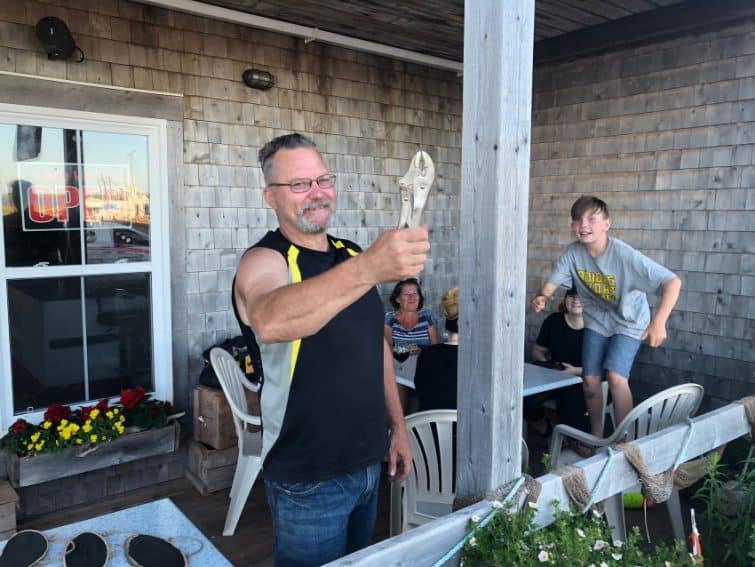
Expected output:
{"points": [[57, 39]]}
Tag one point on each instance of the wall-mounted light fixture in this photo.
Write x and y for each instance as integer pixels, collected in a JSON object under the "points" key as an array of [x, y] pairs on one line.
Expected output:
{"points": [[57, 39], [257, 79]]}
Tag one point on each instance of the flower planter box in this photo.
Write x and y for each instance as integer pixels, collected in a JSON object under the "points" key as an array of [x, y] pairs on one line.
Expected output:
{"points": [[28, 471]]}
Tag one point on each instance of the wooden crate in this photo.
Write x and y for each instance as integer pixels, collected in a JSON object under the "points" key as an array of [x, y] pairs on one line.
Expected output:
{"points": [[8, 503], [210, 470], [213, 424]]}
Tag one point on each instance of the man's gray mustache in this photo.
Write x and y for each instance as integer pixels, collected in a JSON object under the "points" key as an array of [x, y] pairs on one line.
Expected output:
{"points": [[317, 204]]}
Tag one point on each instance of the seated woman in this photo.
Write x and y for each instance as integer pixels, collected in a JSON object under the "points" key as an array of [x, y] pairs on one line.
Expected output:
{"points": [[435, 378], [559, 345], [408, 329]]}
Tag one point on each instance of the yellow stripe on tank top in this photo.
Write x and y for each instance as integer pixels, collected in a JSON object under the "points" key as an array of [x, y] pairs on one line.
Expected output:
{"points": [[339, 244], [293, 266]]}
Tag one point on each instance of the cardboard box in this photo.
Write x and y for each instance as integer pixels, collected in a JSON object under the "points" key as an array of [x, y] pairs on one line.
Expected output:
{"points": [[213, 424]]}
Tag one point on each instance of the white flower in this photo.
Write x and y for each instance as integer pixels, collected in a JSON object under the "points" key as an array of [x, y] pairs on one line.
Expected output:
{"points": [[532, 505], [603, 564], [580, 532], [599, 544], [667, 564], [497, 504], [596, 515], [616, 556], [473, 541], [542, 556], [475, 519], [618, 544]]}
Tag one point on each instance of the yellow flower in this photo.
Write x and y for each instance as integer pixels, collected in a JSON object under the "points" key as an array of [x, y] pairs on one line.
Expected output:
{"points": [[87, 427], [93, 438], [39, 445], [47, 425], [103, 438], [109, 414], [74, 427], [65, 435], [122, 418], [79, 441], [63, 422], [94, 413], [119, 428], [35, 437], [30, 446], [116, 411]]}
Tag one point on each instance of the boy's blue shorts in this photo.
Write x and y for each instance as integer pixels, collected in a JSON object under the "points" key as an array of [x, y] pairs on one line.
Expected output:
{"points": [[615, 353]]}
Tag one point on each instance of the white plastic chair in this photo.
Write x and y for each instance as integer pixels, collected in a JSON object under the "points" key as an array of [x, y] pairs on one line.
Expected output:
{"points": [[429, 491], [669, 407], [249, 461], [607, 408]]}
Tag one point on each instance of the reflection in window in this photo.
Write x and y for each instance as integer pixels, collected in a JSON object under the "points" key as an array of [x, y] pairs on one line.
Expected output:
{"points": [[51, 360], [62, 187]]}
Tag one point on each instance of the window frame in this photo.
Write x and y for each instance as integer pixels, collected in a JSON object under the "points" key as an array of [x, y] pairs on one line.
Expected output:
{"points": [[158, 266]]}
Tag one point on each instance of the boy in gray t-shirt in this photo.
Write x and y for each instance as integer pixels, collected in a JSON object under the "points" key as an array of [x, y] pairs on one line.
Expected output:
{"points": [[612, 278]]}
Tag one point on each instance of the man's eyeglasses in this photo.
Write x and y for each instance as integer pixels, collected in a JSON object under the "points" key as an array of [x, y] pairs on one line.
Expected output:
{"points": [[303, 185]]}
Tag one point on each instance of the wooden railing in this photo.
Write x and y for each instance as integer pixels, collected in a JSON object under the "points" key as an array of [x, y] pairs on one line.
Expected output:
{"points": [[424, 545]]}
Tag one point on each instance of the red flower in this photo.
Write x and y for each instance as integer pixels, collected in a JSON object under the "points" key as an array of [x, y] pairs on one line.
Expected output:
{"points": [[102, 405], [131, 398], [84, 412], [57, 412], [20, 426]]}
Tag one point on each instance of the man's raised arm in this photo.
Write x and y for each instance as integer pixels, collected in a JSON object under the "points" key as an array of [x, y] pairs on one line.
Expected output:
{"points": [[279, 312]]}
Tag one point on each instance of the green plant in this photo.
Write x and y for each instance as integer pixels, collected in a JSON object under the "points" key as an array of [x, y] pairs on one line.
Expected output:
{"points": [[144, 412], [61, 428], [86, 426], [727, 518], [572, 540]]}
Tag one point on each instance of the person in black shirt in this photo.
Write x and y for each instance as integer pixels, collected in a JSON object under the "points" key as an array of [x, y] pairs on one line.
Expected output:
{"points": [[559, 346], [436, 374], [329, 392]]}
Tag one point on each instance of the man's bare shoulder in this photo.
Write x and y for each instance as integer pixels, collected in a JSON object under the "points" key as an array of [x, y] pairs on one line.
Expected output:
{"points": [[259, 262]]}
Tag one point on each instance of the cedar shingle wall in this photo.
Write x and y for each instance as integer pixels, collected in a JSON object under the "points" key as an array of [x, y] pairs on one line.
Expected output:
{"points": [[664, 134], [369, 115]]}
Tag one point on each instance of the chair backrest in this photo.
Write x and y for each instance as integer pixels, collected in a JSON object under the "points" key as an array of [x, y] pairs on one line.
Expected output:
{"points": [[232, 381], [666, 408], [431, 486]]}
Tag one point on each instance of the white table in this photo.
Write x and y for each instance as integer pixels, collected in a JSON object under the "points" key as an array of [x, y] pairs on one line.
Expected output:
{"points": [[538, 379], [161, 518]]}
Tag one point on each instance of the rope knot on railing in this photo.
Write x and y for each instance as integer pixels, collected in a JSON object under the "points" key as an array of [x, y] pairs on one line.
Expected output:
{"points": [[749, 404]]}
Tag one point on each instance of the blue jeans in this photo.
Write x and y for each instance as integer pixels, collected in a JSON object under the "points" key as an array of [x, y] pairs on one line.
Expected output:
{"points": [[615, 353], [318, 522]]}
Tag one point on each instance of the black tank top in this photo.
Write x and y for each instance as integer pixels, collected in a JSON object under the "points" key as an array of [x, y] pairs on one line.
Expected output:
{"points": [[323, 399]]}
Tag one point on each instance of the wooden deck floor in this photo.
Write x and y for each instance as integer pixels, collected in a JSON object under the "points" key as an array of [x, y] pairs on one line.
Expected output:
{"points": [[251, 546]]}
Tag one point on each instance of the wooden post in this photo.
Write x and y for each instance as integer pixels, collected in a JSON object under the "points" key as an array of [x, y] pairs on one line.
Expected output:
{"points": [[498, 39]]}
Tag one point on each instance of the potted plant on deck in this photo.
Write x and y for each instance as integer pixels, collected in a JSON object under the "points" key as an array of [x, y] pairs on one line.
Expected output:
{"points": [[71, 441]]}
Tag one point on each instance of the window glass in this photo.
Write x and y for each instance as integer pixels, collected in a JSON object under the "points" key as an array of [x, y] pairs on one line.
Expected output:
{"points": [[60, 185], [51, 360]]}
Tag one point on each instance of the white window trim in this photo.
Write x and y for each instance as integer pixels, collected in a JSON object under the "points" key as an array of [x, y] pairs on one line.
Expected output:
{"points": [[158, 266]]}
